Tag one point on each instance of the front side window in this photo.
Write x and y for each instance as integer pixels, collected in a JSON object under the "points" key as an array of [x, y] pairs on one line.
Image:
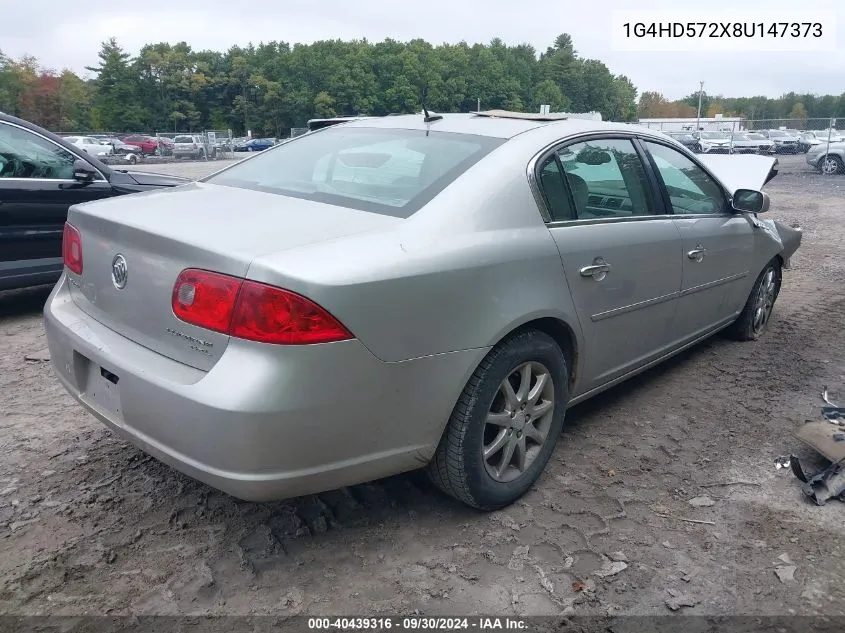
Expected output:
{"points": [[27, 155], [389, 171], [691, 190], [607, 179]]}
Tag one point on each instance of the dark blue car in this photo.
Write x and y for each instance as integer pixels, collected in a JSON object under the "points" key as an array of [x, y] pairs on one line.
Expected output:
{"points": [[255, 145]]}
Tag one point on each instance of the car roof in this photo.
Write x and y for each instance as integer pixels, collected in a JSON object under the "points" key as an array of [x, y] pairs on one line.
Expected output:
{"points": [[493, 126]]}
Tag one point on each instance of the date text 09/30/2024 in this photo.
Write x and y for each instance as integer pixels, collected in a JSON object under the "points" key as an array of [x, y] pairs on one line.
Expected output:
{"points": [[417, 623]]}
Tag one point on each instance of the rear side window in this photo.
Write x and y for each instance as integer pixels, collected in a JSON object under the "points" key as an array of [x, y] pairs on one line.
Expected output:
{"points": [[388, 171], [607, 179]]}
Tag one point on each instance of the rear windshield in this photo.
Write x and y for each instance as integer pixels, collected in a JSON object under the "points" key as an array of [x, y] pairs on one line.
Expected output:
{"points": [[387, 171], [183, 139]]}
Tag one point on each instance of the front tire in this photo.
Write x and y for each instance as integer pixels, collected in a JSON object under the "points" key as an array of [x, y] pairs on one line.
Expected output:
{"points": [[754, 318], [831, 164], [505, 425]]}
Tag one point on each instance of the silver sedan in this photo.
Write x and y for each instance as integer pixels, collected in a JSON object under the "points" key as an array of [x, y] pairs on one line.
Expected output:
{"points": [[406, 292]]}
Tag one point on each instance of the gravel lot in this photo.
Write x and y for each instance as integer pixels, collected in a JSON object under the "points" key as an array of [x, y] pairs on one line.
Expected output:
{"points": [[88, 524]]}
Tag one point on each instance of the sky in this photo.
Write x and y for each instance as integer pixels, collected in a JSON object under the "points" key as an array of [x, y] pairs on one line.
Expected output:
{"points": [[69, 34]]}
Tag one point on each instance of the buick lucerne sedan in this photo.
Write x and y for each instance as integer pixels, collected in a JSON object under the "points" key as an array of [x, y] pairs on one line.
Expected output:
{"points": [[406, 292]]}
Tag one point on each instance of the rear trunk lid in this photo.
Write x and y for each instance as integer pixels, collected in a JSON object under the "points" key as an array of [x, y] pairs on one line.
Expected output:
{"points": [[162, 232]]}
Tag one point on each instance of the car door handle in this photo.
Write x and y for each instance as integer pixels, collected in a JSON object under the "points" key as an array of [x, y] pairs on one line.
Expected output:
{"points": [[697, 254], [598, 270]]}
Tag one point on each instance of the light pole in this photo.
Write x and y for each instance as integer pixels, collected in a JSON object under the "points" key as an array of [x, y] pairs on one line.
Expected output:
{"points": [[698, 116]]}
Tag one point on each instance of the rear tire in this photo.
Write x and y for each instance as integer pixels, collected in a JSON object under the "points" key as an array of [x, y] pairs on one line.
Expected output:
{"points": [[755, 316], [524, 416]]}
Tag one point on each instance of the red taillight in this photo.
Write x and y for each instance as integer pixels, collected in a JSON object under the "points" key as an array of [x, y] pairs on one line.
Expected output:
{"points": [[205, 299], [253, 311], [72, 248]]}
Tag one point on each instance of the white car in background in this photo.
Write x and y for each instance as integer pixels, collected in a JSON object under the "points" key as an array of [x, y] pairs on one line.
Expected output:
{"points": [[90, 145]]}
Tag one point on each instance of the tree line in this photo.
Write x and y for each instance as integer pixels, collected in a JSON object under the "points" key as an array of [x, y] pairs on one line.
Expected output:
{"points": [[271, 87], [798, 108]]}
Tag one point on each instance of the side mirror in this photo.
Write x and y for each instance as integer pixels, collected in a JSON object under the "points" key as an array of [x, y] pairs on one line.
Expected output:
{"points": [[750, 201], [83, 172]]}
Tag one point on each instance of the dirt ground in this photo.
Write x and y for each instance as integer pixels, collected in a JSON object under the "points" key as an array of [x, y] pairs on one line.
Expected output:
{"points": [[90, 525]]}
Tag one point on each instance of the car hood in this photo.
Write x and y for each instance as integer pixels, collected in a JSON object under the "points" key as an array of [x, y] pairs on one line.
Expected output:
{"points": [[741, 171], [157, 180]]}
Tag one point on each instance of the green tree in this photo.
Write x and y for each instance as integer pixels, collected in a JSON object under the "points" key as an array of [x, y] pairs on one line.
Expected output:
{"points": [[116, 90]]}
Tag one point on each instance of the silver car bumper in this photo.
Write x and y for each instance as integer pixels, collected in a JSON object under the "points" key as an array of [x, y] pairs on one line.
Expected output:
{"points": [[266, 422]]}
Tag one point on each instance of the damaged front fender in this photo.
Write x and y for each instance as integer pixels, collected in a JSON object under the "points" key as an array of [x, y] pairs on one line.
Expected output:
{"points": [[785, 239]]}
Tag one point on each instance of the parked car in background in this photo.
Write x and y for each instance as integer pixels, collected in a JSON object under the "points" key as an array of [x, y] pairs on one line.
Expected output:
{"points": [[147, 144], [828, 159], [835, 136], [687, 139], [807, 141], [41, 175], [166, 146], [255, 145], [118, 146], [751, 143], [90, 145], [458, 281], [713, 142], [785, 142], [192, 146]]}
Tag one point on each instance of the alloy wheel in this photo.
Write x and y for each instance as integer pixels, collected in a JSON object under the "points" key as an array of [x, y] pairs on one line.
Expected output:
{"points": [[829, 165], [518, 421], [765, 301]]}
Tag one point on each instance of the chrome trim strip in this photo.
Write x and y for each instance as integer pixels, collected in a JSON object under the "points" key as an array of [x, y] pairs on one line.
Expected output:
{"points": [[601, 316], [713, 284], [559, 224]]}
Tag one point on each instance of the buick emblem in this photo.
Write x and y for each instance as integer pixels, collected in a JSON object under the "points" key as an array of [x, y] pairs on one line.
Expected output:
{"points": [[118, 271]]}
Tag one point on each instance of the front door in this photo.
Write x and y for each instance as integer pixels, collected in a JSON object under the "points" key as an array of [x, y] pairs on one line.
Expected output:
{"points": [[718, 244], [621, 255], [36, 189]]}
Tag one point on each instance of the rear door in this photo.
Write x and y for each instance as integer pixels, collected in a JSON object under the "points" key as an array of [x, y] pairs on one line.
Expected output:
{"points": [[718, 244], [621, 253], [36, 189]]}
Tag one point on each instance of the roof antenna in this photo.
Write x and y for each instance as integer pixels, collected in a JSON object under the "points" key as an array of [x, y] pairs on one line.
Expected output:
{"points": [[429, 118]]}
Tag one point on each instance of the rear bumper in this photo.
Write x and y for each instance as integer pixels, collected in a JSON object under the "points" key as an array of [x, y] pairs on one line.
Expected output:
{"points": [[266, 422]]}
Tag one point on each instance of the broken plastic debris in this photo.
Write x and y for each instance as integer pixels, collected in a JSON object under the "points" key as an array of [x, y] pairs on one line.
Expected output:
{"points": [[782, 462], [823, 486]]}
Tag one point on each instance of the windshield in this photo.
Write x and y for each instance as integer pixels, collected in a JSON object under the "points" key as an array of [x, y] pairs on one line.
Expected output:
{"points": [[716, 136], [388, 171], [776, 133], [755, 137]]}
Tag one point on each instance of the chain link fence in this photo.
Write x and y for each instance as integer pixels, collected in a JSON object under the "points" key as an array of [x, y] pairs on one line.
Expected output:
{"points": [[205, 145], [297, 131]]}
